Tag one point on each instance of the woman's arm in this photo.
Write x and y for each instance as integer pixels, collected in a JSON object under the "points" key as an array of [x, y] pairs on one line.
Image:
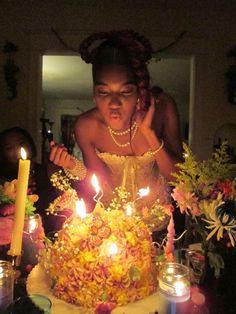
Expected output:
{"points": [[85, 129], [170, 154]]}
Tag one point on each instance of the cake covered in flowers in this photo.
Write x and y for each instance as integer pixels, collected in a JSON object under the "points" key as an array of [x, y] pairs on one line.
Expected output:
{"points": [[106, 256]]}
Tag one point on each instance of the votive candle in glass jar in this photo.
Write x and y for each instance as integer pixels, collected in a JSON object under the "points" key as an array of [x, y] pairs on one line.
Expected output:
{"points": [[174, 287], [33, 240], [6, 284]]}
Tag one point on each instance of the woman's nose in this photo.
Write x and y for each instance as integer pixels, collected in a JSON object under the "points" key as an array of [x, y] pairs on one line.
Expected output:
{"points": [[115, 101]]}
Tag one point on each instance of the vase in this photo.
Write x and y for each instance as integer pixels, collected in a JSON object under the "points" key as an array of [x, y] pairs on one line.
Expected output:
{"points": [[220, 291]]}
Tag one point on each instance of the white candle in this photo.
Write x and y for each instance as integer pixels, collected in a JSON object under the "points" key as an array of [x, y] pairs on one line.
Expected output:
{"points": [[95, 184], [21, 194], [129, 209], [80, 208]]}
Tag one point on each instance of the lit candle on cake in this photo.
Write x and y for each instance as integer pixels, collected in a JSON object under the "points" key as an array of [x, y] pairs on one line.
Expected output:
{"points": [[80, 208], [129, 209], [99, 193], [113, 249], [174, 286], [21, 194]]}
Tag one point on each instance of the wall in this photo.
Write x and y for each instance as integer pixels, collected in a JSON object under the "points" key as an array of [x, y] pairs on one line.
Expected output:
{"points": [[210, 33], [54, 108]]}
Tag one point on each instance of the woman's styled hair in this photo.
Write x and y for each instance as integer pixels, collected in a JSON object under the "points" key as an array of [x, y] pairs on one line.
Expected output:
{"points": [[21, 131], [124, 47]]}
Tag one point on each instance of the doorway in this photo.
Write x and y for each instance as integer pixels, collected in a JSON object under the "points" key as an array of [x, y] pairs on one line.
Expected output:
{"points": [[67, 90]]}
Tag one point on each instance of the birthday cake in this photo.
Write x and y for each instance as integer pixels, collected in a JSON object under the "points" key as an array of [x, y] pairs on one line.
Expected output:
{"points": [[105, 256]]}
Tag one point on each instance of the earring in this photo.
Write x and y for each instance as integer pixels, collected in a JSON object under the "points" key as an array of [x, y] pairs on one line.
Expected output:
{"points": [[138, 106]]}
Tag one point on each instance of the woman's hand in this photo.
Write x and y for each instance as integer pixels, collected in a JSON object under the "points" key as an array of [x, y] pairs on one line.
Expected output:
{"points": [[60, 156], [144, 119]]}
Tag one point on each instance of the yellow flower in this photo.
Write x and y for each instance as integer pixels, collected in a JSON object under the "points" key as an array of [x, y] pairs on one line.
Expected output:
{"points": [[9, 189], [33, 198], [130, 237]]}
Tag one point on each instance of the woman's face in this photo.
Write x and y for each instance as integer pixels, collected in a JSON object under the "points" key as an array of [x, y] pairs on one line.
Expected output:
{"points": [[11, 146], [116, 95]]}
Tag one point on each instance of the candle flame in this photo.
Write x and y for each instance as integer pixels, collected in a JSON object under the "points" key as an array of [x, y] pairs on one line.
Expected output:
{"points": [[80, 208], [95, 183], [32, 224], [180, 288], [113, 249], [23, 153], [143, 192]]}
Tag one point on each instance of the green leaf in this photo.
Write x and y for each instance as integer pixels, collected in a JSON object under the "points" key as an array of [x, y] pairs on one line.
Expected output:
{"points": [[29, 208], [134, 273]]}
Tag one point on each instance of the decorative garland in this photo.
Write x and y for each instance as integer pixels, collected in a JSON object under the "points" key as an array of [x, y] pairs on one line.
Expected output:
{"points": [[165, 48]]}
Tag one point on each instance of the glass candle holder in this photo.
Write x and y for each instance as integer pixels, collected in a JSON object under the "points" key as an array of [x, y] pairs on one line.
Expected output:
{"points": [[6, 284], [195, 260], [174, 282], [33, 240]]}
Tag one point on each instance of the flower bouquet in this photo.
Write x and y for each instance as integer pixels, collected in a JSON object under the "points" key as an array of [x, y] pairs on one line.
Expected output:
{"points": [[33, 235], [206, 192], [7, 209]]}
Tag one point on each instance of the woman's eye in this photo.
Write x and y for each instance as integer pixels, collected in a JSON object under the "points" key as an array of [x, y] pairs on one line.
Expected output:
{"points": [[127, 92], [103, 93]]}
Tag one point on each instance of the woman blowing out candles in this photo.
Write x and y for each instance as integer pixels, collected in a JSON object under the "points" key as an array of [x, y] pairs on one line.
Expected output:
{"points": [[118, 138]]}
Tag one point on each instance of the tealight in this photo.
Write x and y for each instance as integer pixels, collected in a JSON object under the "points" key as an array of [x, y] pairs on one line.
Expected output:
{"points": [[174, 282]]}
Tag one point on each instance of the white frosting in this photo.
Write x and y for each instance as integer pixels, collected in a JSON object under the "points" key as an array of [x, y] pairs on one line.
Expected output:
{"points": [[39, 283]]}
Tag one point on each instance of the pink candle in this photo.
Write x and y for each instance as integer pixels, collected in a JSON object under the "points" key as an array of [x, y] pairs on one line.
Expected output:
{"points": [[169, 248]]}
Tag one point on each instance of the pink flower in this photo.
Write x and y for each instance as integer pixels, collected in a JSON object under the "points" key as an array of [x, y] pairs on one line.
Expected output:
{"points": [[7, 209], [226, 187], [104, 308], [6, 226], [195, 210], [184, 198], [168, 208]]}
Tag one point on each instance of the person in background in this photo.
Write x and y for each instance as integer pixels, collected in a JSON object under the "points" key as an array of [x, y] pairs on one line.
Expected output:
{"points": [[11, 140], [164, 104], [122, 139]]}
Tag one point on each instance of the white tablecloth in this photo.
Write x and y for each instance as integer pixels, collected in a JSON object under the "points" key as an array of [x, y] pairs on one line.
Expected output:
{"points": [[38, 283]]}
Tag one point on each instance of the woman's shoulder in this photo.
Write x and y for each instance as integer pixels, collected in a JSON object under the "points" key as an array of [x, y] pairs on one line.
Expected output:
{"points": [[89, 118]]}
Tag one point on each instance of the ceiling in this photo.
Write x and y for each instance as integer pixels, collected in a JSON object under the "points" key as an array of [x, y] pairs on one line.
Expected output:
{"points": [[68, 77]]}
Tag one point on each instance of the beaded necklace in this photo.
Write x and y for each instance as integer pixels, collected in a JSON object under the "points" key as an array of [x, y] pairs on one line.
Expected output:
{"points": [[134, 125], [134, 128]]}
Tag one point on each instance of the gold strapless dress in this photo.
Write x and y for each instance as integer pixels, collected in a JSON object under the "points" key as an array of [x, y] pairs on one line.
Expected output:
{"points": [[134, 173]]}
